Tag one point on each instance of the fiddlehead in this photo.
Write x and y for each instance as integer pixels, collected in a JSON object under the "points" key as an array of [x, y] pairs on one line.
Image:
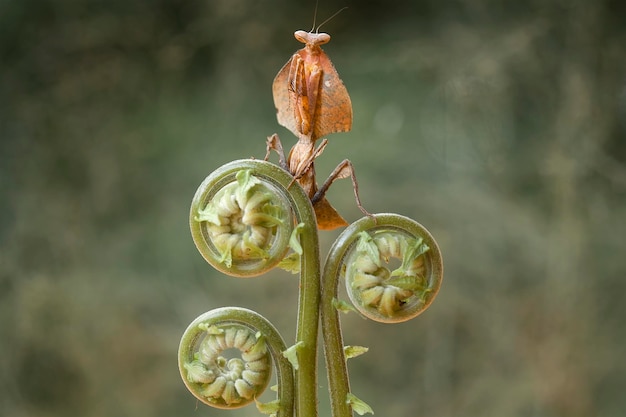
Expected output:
{"points": [[386, 294], [223, 382], [364, 255], [240, 222]]}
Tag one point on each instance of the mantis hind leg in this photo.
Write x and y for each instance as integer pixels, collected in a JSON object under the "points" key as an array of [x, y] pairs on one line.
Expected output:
{"points": [[344, 170]]}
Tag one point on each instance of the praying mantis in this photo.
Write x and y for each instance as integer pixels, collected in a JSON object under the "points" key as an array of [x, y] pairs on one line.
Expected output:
{"points": [[312, 101]]}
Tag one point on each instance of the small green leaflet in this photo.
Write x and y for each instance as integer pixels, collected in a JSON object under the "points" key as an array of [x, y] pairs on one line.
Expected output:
{"points": [[270, 408], [358, 406], [416, 249], [291, 354], [343, 306], [210, 329], [367, 245], [354, 351]]}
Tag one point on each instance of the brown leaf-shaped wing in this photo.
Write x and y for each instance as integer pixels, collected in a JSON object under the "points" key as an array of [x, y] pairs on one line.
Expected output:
{"points": [[334, 108]]}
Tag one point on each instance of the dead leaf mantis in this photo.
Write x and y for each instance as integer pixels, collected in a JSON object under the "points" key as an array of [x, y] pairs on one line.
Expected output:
{"points": [[312, 101]]}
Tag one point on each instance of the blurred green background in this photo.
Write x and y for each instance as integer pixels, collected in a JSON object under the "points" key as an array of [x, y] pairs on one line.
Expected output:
{"points": [[500, 126]]}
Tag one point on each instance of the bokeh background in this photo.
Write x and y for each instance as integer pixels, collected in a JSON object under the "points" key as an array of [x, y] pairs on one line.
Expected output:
{"points": [[500, 126]]}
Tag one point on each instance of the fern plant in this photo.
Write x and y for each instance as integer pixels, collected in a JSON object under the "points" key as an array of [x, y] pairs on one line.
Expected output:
{"points": [[250, 216]]}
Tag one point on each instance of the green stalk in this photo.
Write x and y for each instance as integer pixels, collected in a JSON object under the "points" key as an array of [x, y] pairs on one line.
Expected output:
{"points": [[310, 270], [308, 305], [338, 383]]}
